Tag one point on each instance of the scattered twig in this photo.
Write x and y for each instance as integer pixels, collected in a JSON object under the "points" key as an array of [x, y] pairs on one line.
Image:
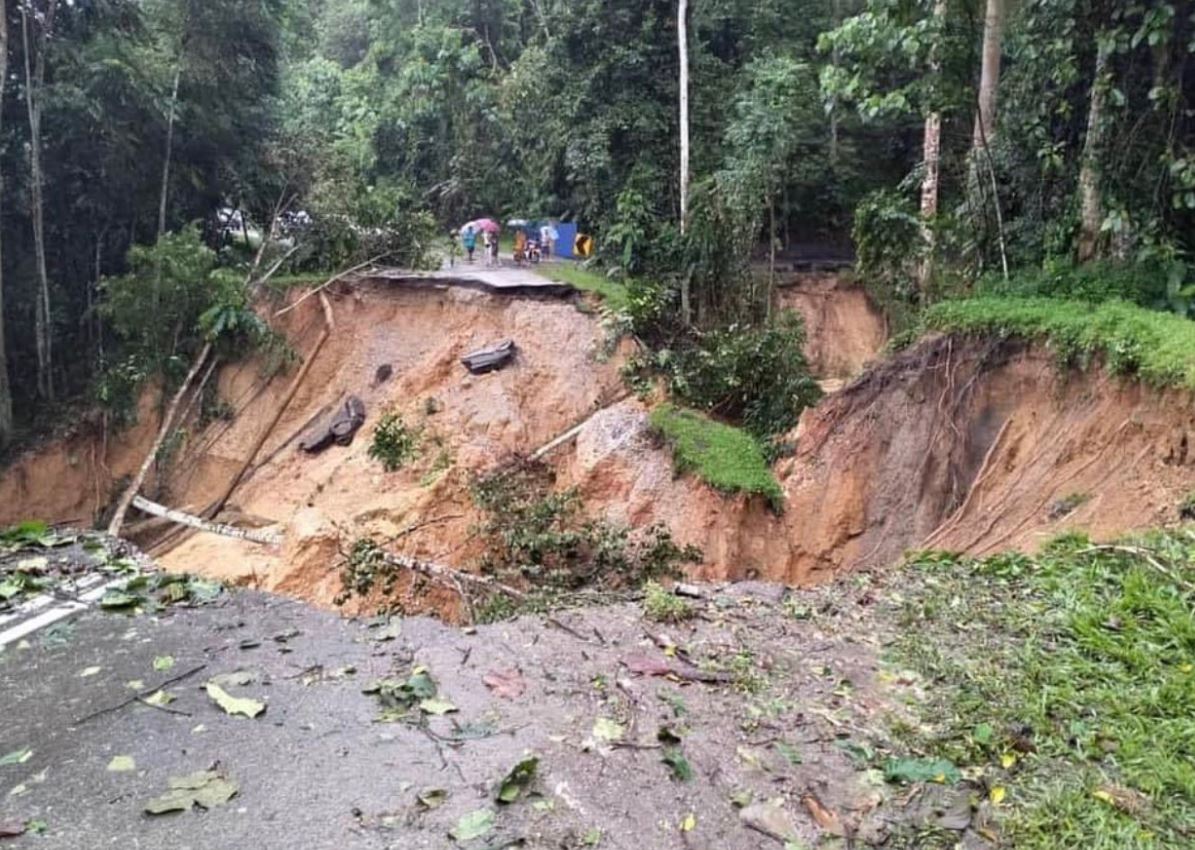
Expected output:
{"points": [[552, 621], [140, 696], [1147, 556], [319, 289]]}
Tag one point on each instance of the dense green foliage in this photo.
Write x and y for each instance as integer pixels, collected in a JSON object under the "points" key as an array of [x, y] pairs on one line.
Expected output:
{"points": [[1088, 155], [538, 536], [1156, 347], [754, 375], [727, 458], [1068, 677]]}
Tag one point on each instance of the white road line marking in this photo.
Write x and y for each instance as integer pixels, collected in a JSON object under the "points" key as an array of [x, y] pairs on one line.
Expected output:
{"points": [[61, 611], [44, 599]]}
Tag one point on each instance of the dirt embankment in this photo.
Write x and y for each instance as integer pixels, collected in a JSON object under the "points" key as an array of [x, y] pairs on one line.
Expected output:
{"points": [[963, 445], [970, 446], [845, 329]]}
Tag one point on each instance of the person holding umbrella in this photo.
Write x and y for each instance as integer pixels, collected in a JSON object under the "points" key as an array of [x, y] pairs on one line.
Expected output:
{"points": [[469, 239]]}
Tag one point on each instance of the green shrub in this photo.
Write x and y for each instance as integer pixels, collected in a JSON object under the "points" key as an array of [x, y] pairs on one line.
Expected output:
{"points": [[541, 537], [728, 459], [393, 443], [663, 606], [754, 375], [1144, 284]]}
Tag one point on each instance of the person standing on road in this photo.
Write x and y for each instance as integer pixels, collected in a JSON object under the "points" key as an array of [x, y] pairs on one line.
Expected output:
{"points": [[545, 238], [469, 240]]}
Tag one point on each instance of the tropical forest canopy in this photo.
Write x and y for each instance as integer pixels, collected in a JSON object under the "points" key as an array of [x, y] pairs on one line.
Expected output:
{"points": [[1040, 146]]}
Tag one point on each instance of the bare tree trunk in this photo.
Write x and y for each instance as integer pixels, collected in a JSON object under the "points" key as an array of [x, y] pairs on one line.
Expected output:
{"points": [[122, 507], [682, 43], [989, 77], [178, 72], [5, 388], [932, 155], [1091, 212], [34, 82], [836, 20], [771, 253]]}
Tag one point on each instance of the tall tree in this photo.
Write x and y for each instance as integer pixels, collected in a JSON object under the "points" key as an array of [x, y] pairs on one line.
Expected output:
{"points": [[682, 43], [1091, 207], [35, 78], [5, 388], [932, 157], [989, 76]]}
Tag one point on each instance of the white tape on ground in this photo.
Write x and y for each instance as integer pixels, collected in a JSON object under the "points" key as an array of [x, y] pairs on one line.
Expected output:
{"points": [[59, 612]]}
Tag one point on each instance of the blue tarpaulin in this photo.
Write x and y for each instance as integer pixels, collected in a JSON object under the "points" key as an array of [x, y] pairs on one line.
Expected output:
{"points": [[564, 245]]}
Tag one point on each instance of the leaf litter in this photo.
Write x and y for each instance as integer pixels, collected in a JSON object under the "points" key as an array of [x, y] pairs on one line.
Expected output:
{"points": [[206, 789], [243, 706]]}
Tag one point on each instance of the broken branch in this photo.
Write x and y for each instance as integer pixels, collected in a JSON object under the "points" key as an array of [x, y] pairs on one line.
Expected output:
{"points": [[181, 518], [319, 289]]}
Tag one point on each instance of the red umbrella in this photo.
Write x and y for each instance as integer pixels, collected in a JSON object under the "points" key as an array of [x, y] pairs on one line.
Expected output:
{"points": [[486, 224]]}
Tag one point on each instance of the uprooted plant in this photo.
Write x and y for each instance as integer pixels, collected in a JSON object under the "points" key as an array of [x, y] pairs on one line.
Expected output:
{"points": [[541, 537], [541, 551]]}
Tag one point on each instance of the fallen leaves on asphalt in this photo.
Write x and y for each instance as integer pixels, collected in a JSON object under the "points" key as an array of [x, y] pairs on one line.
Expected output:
{"points": [[206, 789], [244, 706], [473, 825]]}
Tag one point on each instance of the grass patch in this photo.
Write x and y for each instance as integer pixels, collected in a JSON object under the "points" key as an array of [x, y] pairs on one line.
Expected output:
{"points": [[1067, 680], [1159, 348], [663, 606], [613, 293], [727, 458]]}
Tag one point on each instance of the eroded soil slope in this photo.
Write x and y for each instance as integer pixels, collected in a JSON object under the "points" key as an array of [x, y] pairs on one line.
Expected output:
{"points": [[964, 445], [845, 330], [971, 446]]}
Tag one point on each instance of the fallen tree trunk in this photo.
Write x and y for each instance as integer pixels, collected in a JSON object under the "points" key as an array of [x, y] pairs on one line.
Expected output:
{"points": [[329, 326], [122, 508], [320, 289], [180, 518], [572, 433], [452, 576]]}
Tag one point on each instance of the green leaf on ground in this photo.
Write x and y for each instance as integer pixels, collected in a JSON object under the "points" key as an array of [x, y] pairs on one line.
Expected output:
{"points": [[163, 663], [789, 752], [206, 789], [234, 705], [473, 825], [921, 770], [592, 838], [437, 706], [121, 764], [16, 757], [682, 771], [160, 698], [605, 729], [115, 600], [983, 734], [88, 672], [515, 784], [432, 798]]}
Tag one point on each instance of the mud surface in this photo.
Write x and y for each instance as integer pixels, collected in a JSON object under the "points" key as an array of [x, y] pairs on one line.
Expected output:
{"points": [[319, 770]]}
